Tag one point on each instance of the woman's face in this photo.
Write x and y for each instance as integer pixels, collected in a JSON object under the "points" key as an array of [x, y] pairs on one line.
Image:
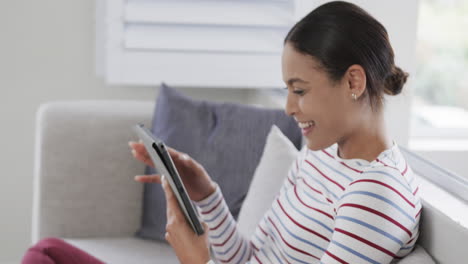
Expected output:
{"points": [[316, 98]]}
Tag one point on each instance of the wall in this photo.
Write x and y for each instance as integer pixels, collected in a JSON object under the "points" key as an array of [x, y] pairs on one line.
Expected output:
{"points": [[47, 54]]}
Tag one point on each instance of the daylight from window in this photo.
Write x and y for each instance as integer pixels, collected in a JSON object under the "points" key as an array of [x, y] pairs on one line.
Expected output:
{"points": [[440, 97]]}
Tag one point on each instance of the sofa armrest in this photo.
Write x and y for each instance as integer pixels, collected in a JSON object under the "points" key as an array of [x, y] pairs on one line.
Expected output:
{"points": [[83, 175]]}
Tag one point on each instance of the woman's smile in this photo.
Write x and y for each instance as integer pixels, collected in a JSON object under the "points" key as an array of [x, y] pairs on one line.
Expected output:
{"points": [[306, 127]]}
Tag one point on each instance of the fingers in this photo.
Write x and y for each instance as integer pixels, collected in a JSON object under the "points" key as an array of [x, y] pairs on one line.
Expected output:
{"points": [[154, 178], [205, 226], [172, 207], [172, 151], [180, 157], [177, 154], [138, 146], [176, 223], [140, 153], [168, 238]]}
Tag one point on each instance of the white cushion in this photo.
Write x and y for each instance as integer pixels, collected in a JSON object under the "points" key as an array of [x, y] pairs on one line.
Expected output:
{"points": [[278, 155]]}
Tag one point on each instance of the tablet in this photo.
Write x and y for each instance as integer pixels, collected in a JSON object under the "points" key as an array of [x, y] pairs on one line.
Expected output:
{"points": [[165, 166]]}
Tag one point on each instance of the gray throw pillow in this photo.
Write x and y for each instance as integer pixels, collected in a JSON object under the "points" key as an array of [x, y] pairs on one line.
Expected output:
{"points": [[226, 138]]}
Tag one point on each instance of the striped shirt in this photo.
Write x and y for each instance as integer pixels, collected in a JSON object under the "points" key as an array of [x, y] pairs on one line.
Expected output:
{"points": [[329, 210]]}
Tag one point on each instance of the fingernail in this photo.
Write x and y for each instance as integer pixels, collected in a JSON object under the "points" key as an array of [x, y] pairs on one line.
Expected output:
{"points": [[134, 152], [130, 143], [164, 182]]}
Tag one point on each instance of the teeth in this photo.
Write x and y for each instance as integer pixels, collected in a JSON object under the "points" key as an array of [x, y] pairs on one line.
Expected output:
{"points": [[306, 124]]}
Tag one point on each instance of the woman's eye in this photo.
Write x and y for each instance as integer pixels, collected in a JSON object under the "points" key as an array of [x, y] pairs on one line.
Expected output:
{"points": [[299, 92]]}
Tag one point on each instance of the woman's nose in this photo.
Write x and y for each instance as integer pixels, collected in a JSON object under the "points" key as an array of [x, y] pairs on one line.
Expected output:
{"points": [[291, 105]]}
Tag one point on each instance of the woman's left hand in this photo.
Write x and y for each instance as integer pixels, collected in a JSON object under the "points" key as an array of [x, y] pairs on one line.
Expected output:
{"points": [[188, 246]]}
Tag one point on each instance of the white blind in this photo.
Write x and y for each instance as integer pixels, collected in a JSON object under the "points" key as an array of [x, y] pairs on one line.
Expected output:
{"points": [[210, 43], [189, 38], [209, 12]]}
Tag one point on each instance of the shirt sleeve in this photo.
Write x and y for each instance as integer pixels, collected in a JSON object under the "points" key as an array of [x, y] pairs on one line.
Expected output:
{"points": [[376, 217], [228, 245]]}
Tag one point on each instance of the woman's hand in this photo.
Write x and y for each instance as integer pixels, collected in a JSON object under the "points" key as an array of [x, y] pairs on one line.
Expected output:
{"points": [[189, 248], [196, 180]]}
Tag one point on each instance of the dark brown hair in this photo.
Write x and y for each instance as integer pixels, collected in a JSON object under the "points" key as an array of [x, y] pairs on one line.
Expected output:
{"points": [[339, 34]]}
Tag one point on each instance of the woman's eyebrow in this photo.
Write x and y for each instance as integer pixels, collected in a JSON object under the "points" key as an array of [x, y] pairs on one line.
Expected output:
{"points": [[293, 80]]}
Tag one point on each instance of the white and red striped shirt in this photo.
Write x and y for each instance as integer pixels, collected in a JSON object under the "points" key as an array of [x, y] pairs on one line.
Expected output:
{"points": [[329, 210]]}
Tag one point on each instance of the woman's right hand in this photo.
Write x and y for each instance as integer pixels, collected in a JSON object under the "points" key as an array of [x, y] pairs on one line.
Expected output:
{"points": [[196, 180]]}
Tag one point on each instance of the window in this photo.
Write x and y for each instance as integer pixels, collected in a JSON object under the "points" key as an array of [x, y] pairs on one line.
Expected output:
{"points": [[210, 43], [440, 105], [453, 183]]}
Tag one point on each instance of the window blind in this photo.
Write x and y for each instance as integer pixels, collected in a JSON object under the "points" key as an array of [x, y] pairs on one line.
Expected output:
{"points": [[208, 43]]}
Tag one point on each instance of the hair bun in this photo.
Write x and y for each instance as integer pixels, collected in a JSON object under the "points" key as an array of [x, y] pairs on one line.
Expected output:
{"points": [[395, 81]]}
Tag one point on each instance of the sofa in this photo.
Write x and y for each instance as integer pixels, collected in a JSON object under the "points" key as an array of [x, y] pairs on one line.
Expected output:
{"points": [[84, 190]]}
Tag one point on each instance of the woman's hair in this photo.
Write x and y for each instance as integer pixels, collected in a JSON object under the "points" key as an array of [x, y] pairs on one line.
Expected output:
{"points": [[339, 34]]}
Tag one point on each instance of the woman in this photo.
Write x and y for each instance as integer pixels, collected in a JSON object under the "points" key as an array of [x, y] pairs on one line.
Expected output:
{"points": [[350, 197]]}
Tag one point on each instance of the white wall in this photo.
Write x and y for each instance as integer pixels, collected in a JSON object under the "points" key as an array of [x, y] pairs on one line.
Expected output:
{"points": [[47, 53]]}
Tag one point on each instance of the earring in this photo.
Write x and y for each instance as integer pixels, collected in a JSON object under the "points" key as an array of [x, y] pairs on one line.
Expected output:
{"points": [[354, 96]]}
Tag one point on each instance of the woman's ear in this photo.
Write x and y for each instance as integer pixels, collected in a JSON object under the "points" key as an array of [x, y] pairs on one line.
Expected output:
{"points": [[356, 78]]}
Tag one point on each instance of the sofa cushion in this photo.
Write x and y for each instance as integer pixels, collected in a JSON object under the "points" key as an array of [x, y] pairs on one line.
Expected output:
{"points": [[278, 155], [226, 138], [417, 256], [124, 250]]}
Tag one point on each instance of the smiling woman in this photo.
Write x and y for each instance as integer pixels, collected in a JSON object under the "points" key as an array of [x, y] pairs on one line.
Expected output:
{"points": [[330, 56], [349, 196]]}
